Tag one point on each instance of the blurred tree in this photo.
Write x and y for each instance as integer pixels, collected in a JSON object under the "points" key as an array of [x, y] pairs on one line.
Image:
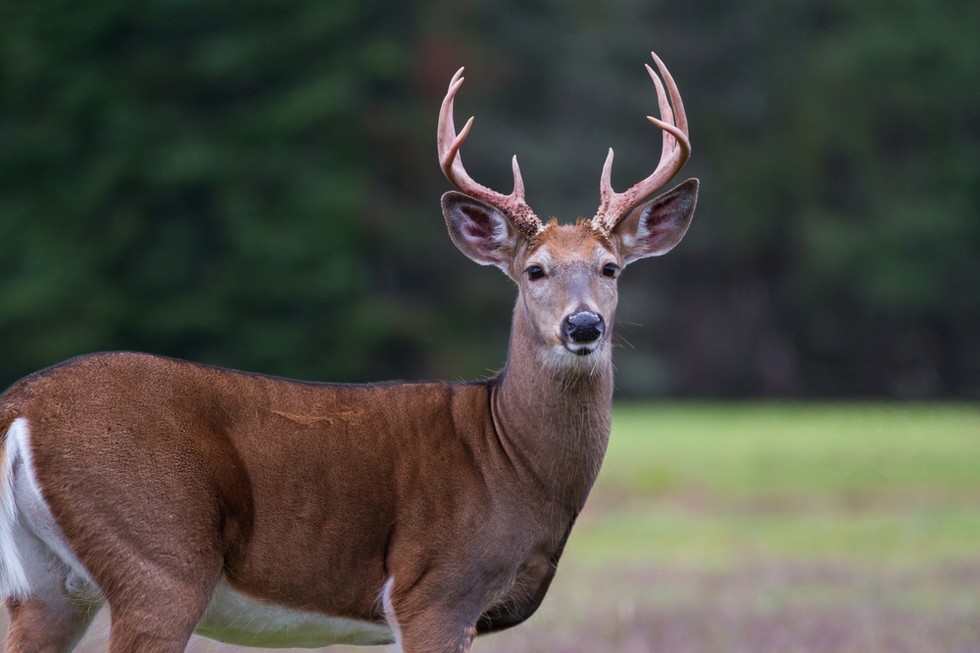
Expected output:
{"points": [[887, 278], [189, 178], [852, 197]]}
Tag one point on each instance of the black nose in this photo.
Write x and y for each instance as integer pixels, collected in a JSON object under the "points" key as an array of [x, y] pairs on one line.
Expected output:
{"points": [[584, 326]]}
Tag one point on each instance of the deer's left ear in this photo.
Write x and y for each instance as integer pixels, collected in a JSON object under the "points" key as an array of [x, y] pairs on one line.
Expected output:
{"points": [[655, 227]]}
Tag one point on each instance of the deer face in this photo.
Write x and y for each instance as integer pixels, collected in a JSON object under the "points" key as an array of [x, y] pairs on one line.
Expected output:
{"points": [[567, 283], [567, 275]]}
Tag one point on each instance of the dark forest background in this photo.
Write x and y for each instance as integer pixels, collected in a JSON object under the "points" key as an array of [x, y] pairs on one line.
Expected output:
{"points": [[255, 185]]}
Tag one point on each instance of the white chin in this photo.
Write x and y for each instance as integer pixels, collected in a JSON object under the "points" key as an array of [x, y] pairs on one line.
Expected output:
{"points": [[582, 350], [579, 352], [575, 355]]}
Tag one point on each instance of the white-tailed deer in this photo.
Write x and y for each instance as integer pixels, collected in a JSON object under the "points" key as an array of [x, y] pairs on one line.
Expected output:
{"points": [[270, 512]]}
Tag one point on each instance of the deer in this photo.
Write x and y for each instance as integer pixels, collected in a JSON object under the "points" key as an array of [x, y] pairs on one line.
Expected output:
{"points": [[269, 512]]}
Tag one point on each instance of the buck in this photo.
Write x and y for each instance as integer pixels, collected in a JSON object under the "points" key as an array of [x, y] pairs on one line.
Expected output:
{"points": [[269, 512]]}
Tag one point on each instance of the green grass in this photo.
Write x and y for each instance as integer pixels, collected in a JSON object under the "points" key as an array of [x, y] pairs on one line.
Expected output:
{"points": [[851, 454], [717, 484], [712, 541]]}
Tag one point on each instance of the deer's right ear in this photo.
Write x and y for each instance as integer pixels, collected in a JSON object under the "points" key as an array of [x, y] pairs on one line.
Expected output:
{"points": [[478, 230]]}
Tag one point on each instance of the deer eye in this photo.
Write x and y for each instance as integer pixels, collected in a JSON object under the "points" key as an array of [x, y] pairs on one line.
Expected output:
{"points": [[610, 270], [534, 272]]}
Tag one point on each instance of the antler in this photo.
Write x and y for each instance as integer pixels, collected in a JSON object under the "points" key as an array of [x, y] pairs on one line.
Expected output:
{"points": [[513, 205], [676, 150]]}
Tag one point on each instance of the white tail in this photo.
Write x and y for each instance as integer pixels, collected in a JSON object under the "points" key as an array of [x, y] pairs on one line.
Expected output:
{"points": [[13, 578], [271, 512]]}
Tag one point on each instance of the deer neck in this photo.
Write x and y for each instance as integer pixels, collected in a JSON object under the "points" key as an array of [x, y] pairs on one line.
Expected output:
{"points": [[553, 418]]}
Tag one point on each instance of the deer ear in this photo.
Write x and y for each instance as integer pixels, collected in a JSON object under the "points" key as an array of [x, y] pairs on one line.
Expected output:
{"points": [[655, 227], [479, 231]]}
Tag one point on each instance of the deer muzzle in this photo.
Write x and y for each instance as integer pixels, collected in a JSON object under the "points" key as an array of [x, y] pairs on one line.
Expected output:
{"points": [[583, 328]]}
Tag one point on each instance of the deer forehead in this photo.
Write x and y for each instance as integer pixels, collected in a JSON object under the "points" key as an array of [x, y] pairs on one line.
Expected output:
{"points": [[559, 245]]}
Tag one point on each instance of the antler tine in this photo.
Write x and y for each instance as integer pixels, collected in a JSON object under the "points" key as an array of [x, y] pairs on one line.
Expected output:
{"points": [[675, 95], [449, 142], [667, 116], [675, 152]]}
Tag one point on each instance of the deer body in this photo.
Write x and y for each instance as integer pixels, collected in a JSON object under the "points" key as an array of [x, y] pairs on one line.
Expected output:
{"points": [[271, 512], [246, 454]]}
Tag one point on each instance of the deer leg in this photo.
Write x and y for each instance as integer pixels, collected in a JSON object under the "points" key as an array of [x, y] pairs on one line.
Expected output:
{"points": [[435, 632], [157, 595], [156, 605], [49, 624], [131, 633], [431, 617], [158, 617]]}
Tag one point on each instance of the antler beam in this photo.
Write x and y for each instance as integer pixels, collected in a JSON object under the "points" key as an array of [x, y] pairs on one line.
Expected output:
{"points": [[675, 152], [513, 206]]}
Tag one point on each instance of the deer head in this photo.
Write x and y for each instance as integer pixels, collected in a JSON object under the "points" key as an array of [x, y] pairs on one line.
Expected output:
{"points": [[567, 274]]}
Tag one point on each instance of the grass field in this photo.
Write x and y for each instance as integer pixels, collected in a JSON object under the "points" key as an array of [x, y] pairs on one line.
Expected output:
{"points": [[778, 528]]}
